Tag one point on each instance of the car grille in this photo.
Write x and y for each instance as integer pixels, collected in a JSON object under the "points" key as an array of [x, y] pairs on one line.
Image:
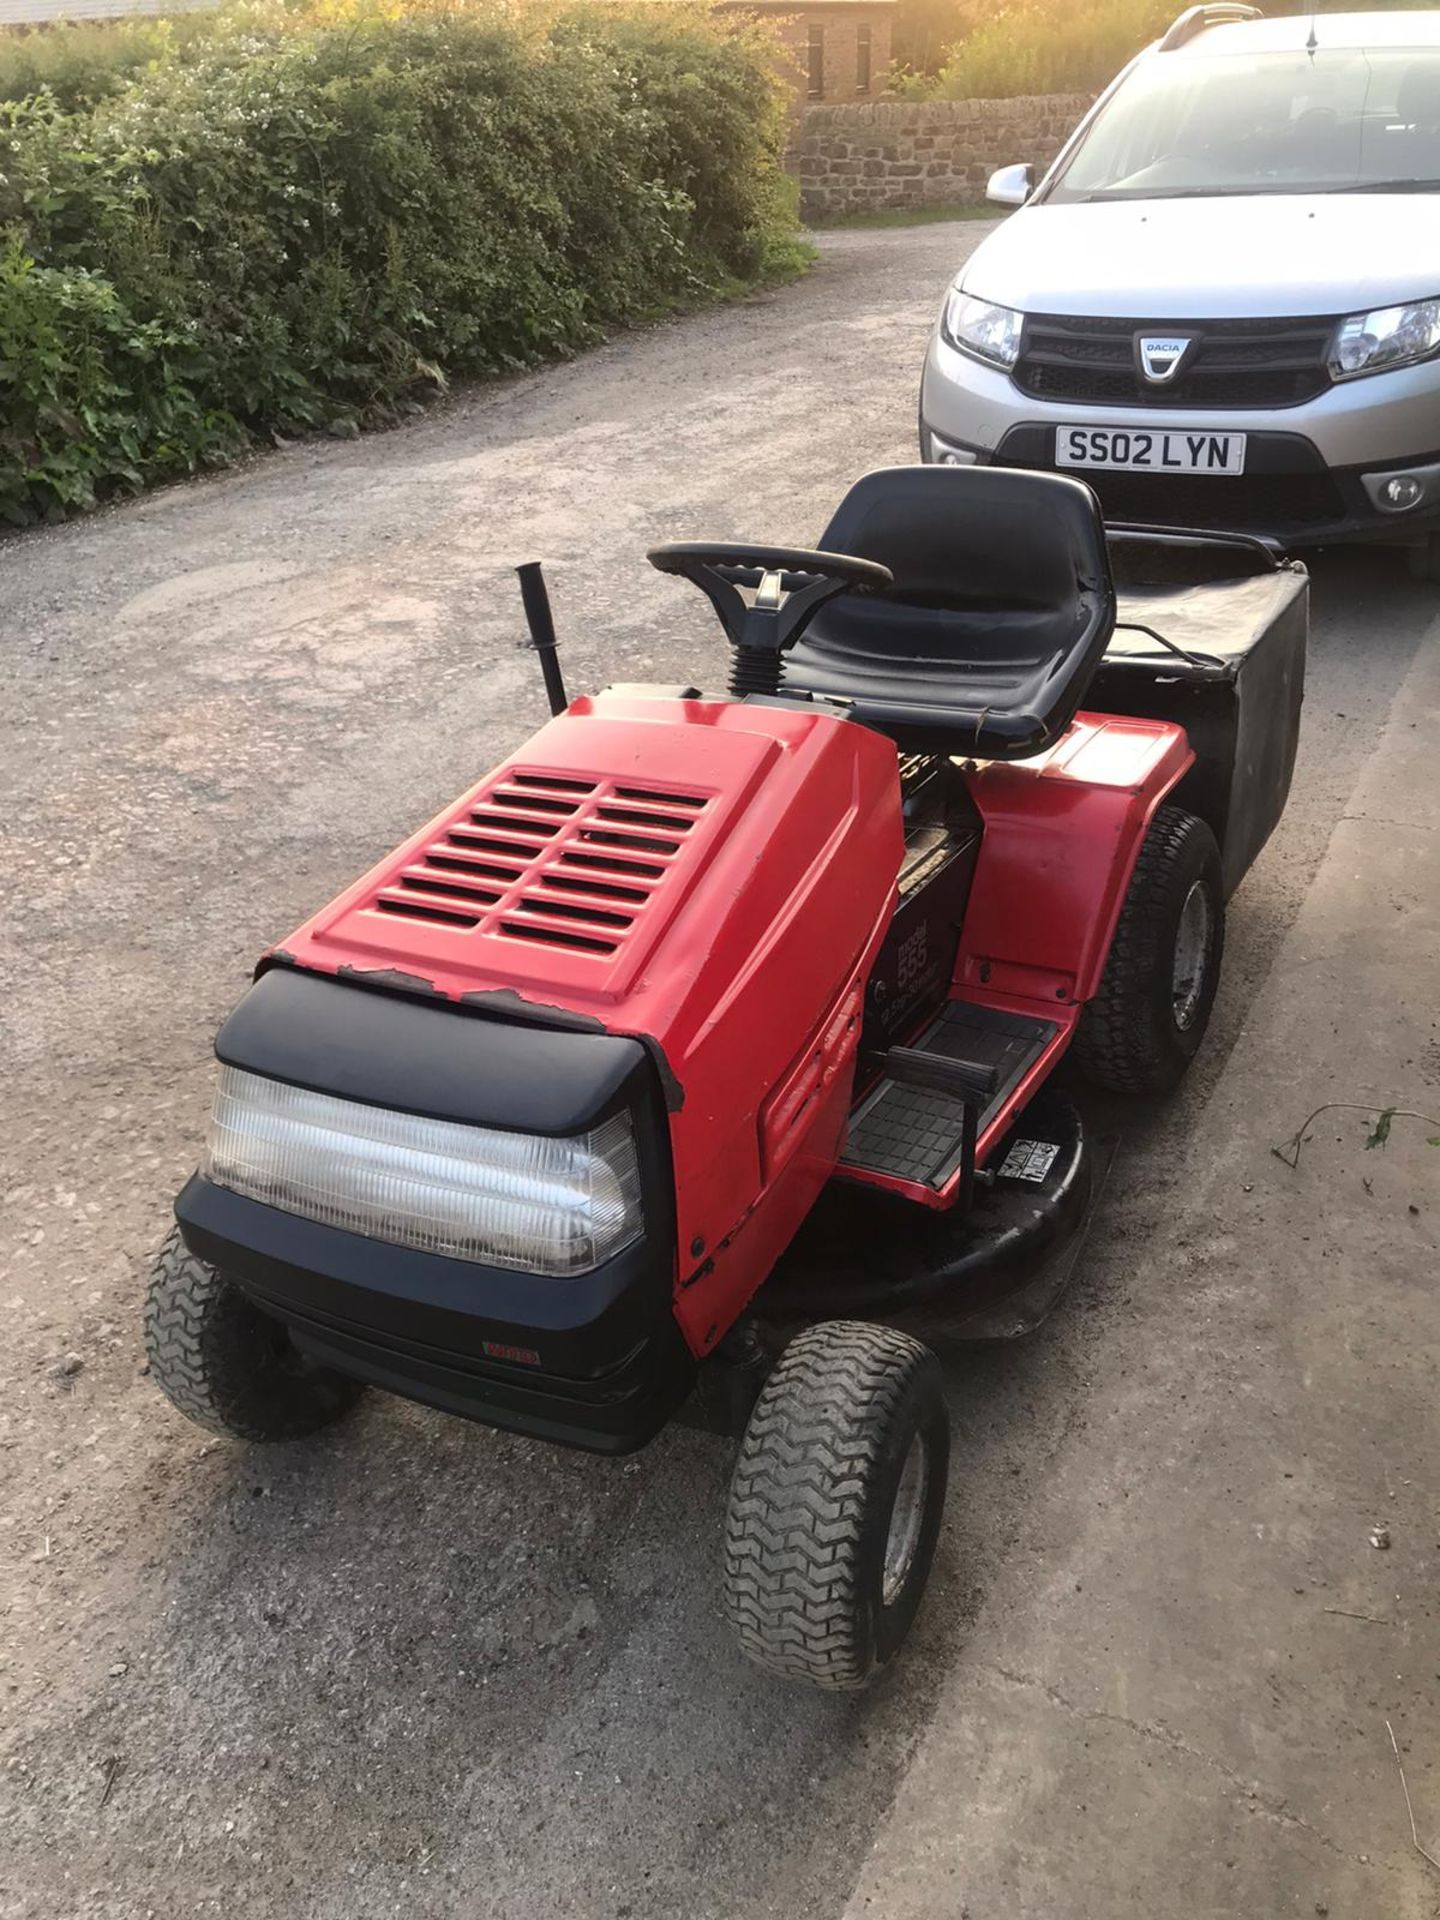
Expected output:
{"points": [[1235, 363], [1263, 502]]}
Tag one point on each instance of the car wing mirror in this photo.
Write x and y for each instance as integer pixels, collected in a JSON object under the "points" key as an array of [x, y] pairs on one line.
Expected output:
{"points": [[1011, 186]]}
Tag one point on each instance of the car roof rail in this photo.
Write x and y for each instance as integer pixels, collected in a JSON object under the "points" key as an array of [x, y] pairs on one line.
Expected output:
{"points": [[1196, 19]]}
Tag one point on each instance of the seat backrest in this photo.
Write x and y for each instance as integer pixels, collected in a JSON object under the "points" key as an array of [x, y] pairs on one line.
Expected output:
{"points": [[1001, 608], [982, 539]]}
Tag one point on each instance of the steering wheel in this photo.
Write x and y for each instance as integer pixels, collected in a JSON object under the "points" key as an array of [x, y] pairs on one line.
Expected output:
{"points": [[790, 584]]}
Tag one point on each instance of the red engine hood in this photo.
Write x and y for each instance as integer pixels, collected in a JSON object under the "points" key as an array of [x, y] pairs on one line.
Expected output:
{"points": [[605, 868], [712, 877]]}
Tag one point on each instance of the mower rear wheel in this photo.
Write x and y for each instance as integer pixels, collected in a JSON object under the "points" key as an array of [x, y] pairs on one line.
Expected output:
{"points": [[835, 1503], [226, 1365], [1145, 1025]]}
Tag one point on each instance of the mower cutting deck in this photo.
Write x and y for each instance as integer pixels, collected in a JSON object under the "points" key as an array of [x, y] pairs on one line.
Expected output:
{"points": [[705, 1015]]}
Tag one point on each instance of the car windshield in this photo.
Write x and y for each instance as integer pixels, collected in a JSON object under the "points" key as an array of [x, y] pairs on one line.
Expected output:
{"points": [[1189, 126]]}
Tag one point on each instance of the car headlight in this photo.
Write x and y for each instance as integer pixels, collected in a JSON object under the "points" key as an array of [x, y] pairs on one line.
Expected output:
{"points": [[516, 1200], [991, 333], [1386, 337]]}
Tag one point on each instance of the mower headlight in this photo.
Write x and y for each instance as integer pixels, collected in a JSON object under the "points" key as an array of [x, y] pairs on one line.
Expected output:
{"points": [[509, 1199], [1387, 337], [988, 332]]}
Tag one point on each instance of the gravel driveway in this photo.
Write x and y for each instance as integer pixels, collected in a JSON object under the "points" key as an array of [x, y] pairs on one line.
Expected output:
{"points": [[416, 1667]]}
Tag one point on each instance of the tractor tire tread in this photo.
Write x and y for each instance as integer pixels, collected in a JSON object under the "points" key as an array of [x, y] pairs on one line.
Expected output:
{"points": [[191, 1319], [796, 1512], [1114, 1046]]}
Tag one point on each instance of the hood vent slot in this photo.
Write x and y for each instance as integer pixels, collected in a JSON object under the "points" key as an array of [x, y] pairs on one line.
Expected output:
{"points": [[509, 823], [552, 783], [642, 844], [560, 862], [606, 863], [420, 910], [557, 937], [484, 869], [653, 797], [601, 889], [450, 889], [468, 841], [633, 817], [611, 916], [533, 803]]}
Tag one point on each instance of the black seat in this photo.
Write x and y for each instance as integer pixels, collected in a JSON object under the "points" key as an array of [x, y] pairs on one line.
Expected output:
{"points": [[1001, 608]]}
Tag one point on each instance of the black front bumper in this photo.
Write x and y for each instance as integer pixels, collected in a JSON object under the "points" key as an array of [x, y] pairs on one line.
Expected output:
{"points": [[595, 1361], [1286, 491]]}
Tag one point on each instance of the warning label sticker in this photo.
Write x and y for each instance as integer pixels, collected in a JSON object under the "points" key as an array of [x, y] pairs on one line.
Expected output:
{"points": [[1028, 1160]]}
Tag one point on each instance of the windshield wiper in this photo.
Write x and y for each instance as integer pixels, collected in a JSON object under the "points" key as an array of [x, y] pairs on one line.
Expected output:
{"points": [[1389, 186], [1193, 193], [1278, 190]]}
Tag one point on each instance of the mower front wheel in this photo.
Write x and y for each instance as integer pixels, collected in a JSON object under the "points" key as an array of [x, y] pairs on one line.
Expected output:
{"points": [[1145, 1025], [836, 1502], [226, 1365]]}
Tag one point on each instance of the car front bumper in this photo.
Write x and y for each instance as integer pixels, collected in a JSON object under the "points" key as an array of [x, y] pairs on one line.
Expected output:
{"points": [[1313, 471]]}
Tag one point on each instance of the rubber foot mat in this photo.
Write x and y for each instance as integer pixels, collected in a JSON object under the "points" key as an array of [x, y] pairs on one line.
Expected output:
{"points": [[914, 1133]]}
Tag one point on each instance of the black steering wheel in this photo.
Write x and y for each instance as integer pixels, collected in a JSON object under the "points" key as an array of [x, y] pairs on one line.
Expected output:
{"points": [[790, 585]]}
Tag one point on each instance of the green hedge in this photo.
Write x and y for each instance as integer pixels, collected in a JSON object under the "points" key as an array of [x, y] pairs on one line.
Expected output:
{"points": [[286, 224]]}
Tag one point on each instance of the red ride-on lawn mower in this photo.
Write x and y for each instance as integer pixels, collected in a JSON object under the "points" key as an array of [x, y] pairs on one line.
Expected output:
{"points": [[707, 1014]]}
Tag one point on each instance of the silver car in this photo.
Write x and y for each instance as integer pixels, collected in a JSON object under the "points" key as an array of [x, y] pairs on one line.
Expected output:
{"points": [[1221, 305]]}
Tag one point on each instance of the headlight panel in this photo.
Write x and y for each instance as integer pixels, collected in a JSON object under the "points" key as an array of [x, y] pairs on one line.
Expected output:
{"points": [[1385, 337], [980, 328], [537, 1205]]}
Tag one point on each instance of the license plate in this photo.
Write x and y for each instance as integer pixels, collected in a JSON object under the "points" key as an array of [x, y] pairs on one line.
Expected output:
{"points": [[1139, 449]]}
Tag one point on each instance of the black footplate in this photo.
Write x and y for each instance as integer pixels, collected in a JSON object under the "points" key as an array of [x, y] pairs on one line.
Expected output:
{"points": [[910, 1131]]}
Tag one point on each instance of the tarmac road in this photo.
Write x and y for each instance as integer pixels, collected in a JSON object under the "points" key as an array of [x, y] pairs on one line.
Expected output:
{"points": [[419, 1668]]}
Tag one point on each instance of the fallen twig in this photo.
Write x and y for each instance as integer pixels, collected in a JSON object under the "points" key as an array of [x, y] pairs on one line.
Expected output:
{"points": [[1289, 1150], [1415, 1838], [112, 1774], [1346, 1614]]}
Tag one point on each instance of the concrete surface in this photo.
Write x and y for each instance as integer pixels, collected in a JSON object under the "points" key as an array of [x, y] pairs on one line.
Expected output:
{"points": [[416, 1667], [1188, 1678]]}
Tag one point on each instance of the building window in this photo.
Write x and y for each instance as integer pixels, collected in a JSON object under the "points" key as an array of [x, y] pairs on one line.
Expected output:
{"points": [[862, 60], [815, 64]]}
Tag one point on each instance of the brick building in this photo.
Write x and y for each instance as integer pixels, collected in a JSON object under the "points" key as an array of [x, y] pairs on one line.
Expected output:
{"points": [[835, 49]]}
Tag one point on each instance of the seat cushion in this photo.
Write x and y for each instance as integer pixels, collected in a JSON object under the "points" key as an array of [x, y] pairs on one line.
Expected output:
{"points": [[1001, 608]]}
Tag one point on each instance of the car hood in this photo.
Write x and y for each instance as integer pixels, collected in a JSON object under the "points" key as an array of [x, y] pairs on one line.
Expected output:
{"points": [[1261, 256]]}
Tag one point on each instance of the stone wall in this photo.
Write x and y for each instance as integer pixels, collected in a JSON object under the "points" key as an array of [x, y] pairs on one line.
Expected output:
{"points": [[861, 157]]}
